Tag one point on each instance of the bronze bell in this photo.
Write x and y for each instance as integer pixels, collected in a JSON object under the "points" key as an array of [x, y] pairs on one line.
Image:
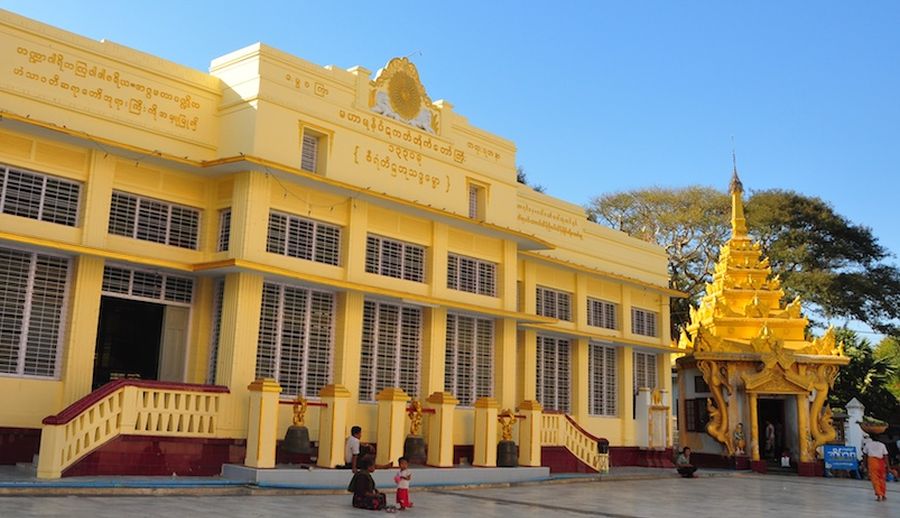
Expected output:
{"points": [[296, 440]]}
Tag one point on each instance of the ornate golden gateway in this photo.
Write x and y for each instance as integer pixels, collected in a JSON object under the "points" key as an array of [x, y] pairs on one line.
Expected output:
{"points": [[744, 338]]}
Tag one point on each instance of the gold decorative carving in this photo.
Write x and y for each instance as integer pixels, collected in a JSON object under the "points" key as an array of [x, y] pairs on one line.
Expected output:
{"points": [[820, 426], [406, 96], [507, 419], [717, 379], [415, 417], [403, 92], [299, 408], [656, 397]]}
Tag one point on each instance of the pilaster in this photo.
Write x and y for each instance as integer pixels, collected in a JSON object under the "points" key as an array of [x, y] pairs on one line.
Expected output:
{"points": [[332, 426], [434, 350], [249, 215], [530, 433], [626, 394], [262, 427], [440, 429], [81, 340], [580, 379], [485, 433], [505, 375], [392, 403], [97, 199]]}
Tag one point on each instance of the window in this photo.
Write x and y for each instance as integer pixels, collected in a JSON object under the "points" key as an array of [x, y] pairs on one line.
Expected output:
{"points": [[218, 298], [152, 220], [395, 258], [39, 196], [476, 201], [147, 285], [602, 369], [295, 338], [695, 415], [224, 230], [304, 239], [601, 314], [472, 275], [553, 373], [312, 151], [469, 358], [644, 370], [643, 322], [390, 349], [553, 303], [33, 290]]}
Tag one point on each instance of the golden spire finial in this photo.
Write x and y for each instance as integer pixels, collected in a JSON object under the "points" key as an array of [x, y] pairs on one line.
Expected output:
{"points": [[738, 223]]}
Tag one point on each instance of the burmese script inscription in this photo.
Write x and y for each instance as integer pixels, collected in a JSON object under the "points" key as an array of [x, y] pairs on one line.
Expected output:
{"points": [[101, 88], [549, 220], [402, 135], [400, 163]]}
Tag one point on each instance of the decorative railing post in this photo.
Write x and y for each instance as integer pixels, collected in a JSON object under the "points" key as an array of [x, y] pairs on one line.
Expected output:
{"points": [[332, 425], [440, 429], [262, 430], [530, 434], [391, 424], [486, 432]]}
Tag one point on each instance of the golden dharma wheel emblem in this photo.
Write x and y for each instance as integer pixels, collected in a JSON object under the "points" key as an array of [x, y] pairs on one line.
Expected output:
{"points": [[403, 93]]}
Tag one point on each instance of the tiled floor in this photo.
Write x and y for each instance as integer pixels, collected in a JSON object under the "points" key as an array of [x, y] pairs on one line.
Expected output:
{"points": [[743, 496]]}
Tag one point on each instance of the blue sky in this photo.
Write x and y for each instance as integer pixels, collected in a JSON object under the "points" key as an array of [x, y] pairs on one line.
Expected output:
{"points": [[600, 96]]}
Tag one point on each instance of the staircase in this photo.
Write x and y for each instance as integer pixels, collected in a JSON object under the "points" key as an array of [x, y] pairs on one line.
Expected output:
{"points": [[562, 430], [128, 407]]}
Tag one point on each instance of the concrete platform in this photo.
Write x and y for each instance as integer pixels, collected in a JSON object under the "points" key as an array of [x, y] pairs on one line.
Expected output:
{"points": [[317, 478]]}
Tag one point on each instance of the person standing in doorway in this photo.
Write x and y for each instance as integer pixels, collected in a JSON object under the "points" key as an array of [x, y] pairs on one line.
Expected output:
{"points": [[770, 440], [876, 453]]}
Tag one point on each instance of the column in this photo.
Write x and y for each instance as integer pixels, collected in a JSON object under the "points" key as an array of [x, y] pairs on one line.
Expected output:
{"points": [[81, 340], [238, 337], [665, 375], [97, 199], [332, 426], [262, 428], [508, 275], [347, 339], [530, 433], [434, 350], [580, 379], [803, 428], [440, 429], [485, 432], [528, 362], [626, 395], [392, 403], [754, 433], [249, 215], [505, 375]]}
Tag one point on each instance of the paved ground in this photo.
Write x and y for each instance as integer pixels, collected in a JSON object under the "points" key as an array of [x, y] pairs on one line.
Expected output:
{"points": [[743, 496]]}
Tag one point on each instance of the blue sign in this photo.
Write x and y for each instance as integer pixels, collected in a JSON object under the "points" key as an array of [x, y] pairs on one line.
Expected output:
{"points": [[840, 457]]}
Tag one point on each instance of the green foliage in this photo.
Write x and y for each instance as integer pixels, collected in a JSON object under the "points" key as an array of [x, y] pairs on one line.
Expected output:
{"points": [[838, 268], [522, 178], [889, 350], [865, 378]]}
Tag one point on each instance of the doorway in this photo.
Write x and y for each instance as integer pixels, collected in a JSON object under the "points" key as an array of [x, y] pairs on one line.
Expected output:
{"points": [[770, 410], [140, 340]]}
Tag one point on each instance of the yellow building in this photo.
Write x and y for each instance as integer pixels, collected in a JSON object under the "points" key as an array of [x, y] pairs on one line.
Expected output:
{"points": [[182, 234], [752, 386]]}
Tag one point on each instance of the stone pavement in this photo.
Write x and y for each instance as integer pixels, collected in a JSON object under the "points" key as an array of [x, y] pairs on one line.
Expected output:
{"points": [[742, 495]]}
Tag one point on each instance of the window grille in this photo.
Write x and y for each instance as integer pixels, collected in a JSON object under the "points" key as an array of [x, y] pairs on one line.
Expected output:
{"points": [[644, 370], [295, 338], [603, 383], [601, 314], [554, 303], [33, 291], [391, 349], [395, 259], [152, 220], [147, 285], [469, 358], [218, 298], [309, 155], [39, 196], [696, 416], [472, 275], [224, 230], [304, 239], [643, 322], [553, 373]]}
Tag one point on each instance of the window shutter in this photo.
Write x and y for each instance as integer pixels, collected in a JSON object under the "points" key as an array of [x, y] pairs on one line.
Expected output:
{"points": [[310, 153], [224, 230]]}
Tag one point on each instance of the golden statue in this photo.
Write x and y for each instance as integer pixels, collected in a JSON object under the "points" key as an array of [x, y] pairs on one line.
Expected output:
{"points": [[507, 420], [300, 404], [740, 443], [415, 417]]}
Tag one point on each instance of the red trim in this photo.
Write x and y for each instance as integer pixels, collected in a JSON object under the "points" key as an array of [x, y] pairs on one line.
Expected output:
{"points": [[582, 430], [308, 403], [76, 408]]}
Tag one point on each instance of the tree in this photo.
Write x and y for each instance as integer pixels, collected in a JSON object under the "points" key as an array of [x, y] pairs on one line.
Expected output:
{"points": [[865, 378], [522, 178], [889, 350], [835, 266]]}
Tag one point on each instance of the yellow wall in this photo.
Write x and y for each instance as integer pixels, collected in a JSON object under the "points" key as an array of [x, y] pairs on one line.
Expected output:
{"points": [[93, 112]]}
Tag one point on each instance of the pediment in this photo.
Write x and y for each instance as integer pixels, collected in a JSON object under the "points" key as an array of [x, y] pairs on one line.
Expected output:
{"points": [[397, 93], [776, 381]]}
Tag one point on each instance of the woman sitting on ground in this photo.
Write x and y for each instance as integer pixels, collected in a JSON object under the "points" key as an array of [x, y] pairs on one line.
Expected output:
{"points": [[362, 485], [683, 463]]}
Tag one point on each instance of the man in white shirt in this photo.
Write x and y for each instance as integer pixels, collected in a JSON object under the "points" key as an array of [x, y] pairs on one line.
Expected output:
{"points": [[351, 448], [876, 452]]}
